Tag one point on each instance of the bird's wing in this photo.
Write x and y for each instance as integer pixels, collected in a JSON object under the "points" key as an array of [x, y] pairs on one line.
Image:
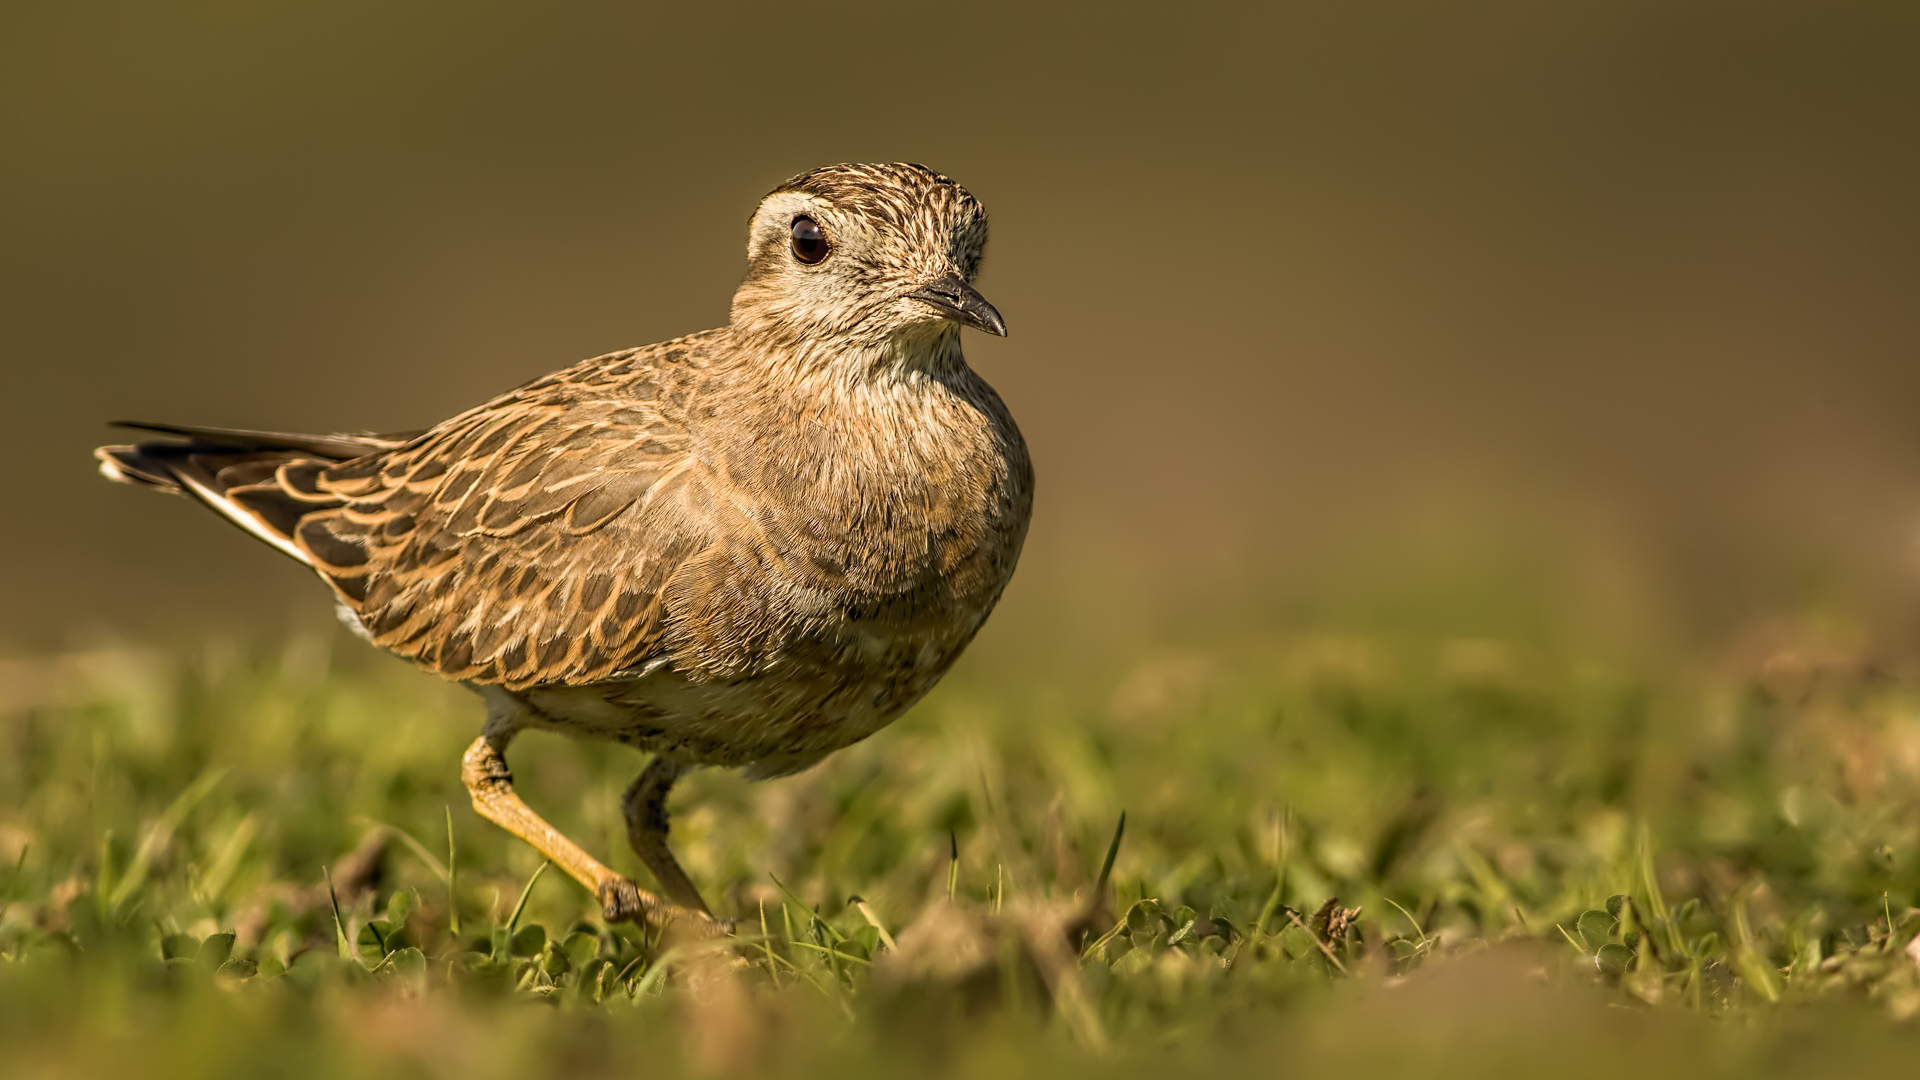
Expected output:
{"points": [[525, 542]]}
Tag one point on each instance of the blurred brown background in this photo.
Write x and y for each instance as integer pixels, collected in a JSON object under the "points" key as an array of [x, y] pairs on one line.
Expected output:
{"points": [[1606, 307]]}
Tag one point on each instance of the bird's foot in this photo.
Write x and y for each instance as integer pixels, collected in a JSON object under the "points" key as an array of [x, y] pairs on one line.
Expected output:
{"points": [[623, 901]]}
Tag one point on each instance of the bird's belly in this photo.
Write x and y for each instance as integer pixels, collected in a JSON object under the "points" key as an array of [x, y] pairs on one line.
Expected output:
{"points": [[813, 697]]}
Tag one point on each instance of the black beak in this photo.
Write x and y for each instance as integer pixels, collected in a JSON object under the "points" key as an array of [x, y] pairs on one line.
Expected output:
{"points": [[957, 300]]}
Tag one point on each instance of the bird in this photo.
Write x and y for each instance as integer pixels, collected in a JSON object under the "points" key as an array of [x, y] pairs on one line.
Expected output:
{"points": [[748, 547]]}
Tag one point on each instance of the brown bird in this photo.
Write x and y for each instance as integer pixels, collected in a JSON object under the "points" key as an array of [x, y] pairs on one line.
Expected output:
{"points": [[748, 547]]}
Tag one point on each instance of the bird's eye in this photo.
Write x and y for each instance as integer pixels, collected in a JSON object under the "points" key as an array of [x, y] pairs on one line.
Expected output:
{"points": [[809, 243]]}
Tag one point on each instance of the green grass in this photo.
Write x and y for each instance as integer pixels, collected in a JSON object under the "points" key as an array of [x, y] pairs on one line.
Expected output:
{"points": [[1558, 864]]}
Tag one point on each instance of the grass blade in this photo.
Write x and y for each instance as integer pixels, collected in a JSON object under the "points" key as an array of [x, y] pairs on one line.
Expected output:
{"points": [[13, 881], [873, 920], [520, 905], [453, 890], [103, 876], [1422, 934], [1656, 900], [836, 935], [339, 925], [1282, 859], [1113, 851], [419, 849], [159, 834]]}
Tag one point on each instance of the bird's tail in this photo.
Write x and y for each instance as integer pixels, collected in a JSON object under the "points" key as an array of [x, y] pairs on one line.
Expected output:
{"points": [[237, 473]]}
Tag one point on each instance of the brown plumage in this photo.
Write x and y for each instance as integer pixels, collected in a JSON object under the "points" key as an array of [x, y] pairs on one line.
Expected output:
{"points": [[747, 547]]}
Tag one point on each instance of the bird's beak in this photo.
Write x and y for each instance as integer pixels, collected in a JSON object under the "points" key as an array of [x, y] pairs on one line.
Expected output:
{"points": [[953, 298]]}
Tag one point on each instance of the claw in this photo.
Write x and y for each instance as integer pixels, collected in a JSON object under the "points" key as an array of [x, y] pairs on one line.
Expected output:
{"points": [[623, 901], [620, 900]]}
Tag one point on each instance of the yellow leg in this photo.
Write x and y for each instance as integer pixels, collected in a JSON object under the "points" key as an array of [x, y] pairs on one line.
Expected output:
{"points": [[490, 784]]}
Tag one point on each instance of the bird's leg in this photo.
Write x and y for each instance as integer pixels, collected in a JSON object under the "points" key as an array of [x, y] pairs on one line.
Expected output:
{"points": [[646, 810], [490, 784]]}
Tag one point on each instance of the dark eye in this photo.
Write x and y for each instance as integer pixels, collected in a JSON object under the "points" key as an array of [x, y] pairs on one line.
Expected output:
{"points": [[809, 243]]}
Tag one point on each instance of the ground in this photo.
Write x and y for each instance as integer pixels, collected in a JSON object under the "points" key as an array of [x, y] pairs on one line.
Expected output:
{"points": [[1360, 853]]}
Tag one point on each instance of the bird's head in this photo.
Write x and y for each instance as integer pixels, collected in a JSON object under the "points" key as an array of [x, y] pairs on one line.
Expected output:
{"points": [[860, 255]]}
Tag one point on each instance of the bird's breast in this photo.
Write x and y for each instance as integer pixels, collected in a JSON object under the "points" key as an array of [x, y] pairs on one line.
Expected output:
{"points": [[876, 535]]}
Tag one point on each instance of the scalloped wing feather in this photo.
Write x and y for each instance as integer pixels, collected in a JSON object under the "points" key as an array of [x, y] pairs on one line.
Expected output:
{"points": [[525, 542]]}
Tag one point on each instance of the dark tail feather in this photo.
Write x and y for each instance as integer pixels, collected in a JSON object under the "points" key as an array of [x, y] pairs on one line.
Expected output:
{"points": [[128, 465], [339, 447], [208, 450], [265, 482]]}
